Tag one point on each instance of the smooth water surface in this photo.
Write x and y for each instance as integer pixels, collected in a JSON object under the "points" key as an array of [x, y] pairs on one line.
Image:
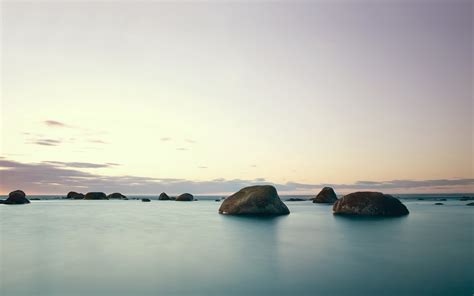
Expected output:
{"points": [[67, 247]]}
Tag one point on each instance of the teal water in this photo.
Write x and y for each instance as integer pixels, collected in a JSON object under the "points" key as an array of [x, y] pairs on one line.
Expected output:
{"points": [[76, 247]]}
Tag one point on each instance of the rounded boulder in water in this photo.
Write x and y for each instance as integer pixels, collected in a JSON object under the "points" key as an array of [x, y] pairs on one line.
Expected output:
{"points": [[367, 203], [17, 197], [185, 197], [254, 200], [326, 195], [163, 196]]}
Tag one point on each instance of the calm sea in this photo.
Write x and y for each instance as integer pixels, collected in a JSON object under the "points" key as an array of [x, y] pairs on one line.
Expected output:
{"points": [[76, 247]]}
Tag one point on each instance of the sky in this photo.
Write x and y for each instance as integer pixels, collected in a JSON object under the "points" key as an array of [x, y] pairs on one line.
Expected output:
{"points": [[208, 97]]}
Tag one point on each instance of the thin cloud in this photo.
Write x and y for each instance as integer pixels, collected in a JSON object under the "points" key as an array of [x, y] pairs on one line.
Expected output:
{"points": [[46, 142], [165, 139], [182, 149], [97, 141], [80, 164], [54, 123]]}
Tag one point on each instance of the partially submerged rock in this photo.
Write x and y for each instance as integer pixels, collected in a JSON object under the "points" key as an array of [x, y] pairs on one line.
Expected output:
{"points": [[185, 197], [163, 196], [439, 204], [367, 203], [116, 195], [95, 195], [326, 195], [470, 204], [16, 197], [146, 200], [75, 195], [254, 200], [296, 199]]}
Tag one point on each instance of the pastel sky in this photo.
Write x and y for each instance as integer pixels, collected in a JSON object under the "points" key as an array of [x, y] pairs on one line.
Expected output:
{"points": [[207, 97]]}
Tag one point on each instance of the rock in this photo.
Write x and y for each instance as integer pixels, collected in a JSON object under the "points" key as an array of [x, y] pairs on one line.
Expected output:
{"points": [[470, 204], [254, 200], [464, 198], [368, 203], [439, 204], [172, 197], [74, 195], [296, 199], [95, 195], [185, 197], [146, 200], [16, 197], [163, 196], [420, 198], [217, 200], [35, 198], [326, 195], [117, 195]]}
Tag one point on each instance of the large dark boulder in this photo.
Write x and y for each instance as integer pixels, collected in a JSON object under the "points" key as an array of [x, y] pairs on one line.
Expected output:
{"points": [[116, 195], [16, 197], [254, 200], [74, 195], [163, 196], [326, 195], [95, 195], [185, 197], [369, 204]]}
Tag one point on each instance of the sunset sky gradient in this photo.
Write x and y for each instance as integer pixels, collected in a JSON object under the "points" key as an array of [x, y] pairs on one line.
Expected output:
{"points": [[206, 97]]}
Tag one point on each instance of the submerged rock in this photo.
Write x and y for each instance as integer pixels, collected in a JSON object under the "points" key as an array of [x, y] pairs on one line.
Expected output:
{"points": [[470, 204], [185, 197], [16, 197], [95, 195], [439, 204], [35, 198], [74, 195], [254, 200], [146, 200], [442, 199], [116, 195], [163, 196], [326, 195], [367, 203], [296, 199]]}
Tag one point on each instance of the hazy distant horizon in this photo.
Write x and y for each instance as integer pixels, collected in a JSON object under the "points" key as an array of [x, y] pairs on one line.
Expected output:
{"points": [[209, 97]]}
